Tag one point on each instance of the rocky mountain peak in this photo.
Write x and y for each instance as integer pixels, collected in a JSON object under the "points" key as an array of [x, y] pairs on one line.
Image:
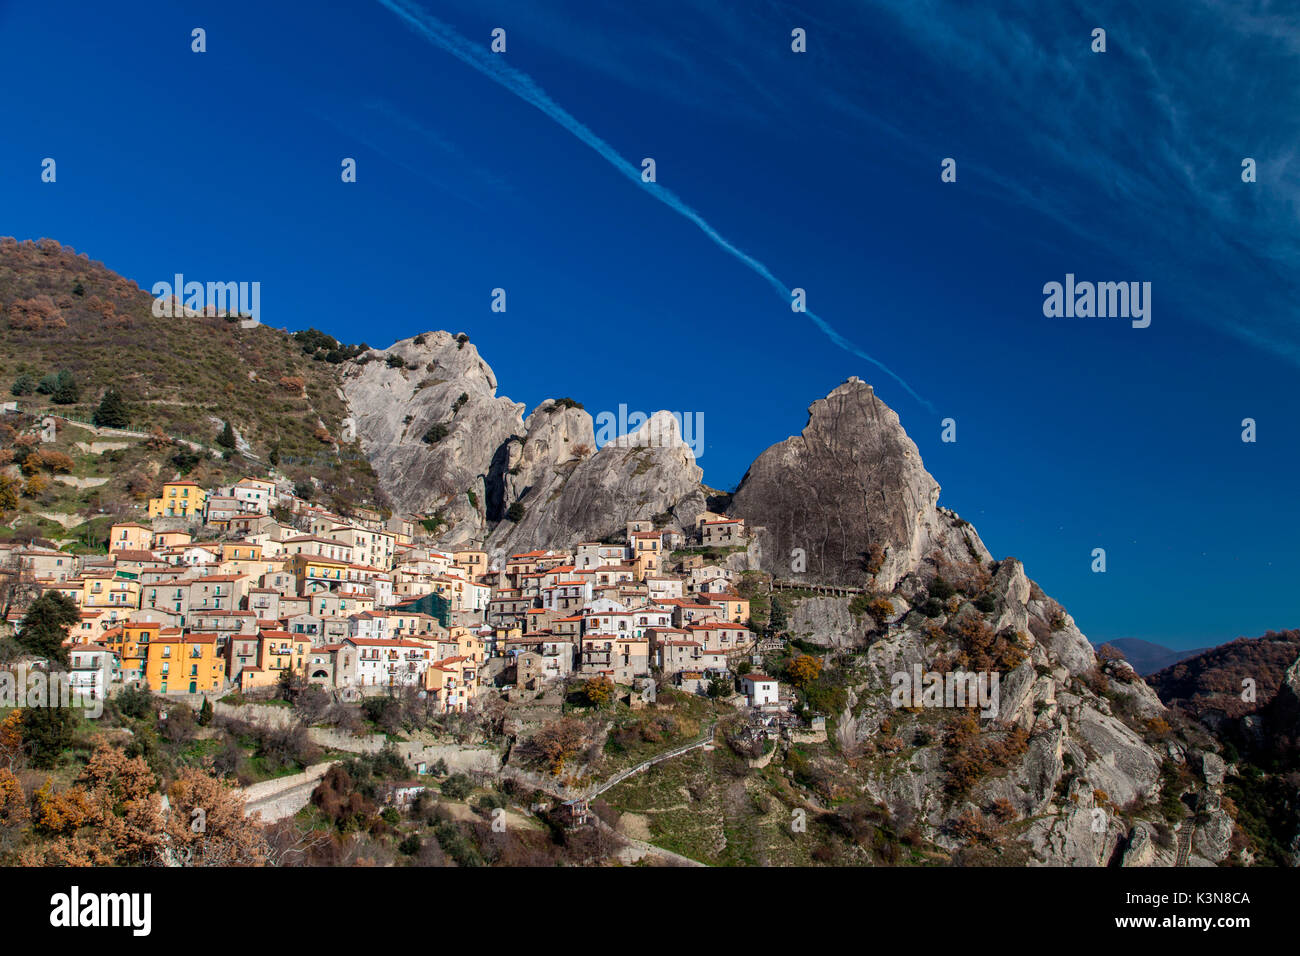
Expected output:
{"points": [[650, 471], [850, 496], [429, 419]]}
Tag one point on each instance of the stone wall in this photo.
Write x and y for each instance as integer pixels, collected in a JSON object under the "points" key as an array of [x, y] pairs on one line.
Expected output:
{"points": [[282, 797]]}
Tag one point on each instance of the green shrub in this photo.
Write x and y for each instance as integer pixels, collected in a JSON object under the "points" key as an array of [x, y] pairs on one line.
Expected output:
{"points": [[457, 786]]}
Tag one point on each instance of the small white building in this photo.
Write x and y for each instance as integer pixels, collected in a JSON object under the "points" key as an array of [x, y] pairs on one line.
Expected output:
{"points": [[760, 690], [368, 624], [365, 662], [93, 666]]}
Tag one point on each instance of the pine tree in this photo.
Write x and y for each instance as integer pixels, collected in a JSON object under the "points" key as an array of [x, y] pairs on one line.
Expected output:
{"points": [[778, 620], [112, 411], [227, 437], [47, 732], [45, 625], [205, 713], [66, 389]]}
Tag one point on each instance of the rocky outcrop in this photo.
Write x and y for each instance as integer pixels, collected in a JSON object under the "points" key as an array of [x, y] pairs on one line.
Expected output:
{"points": [[429, 420], [557, 436], [1078, 764], [649, 472], [442, 441], [1063, 747], [851, 481], [827, 621]]}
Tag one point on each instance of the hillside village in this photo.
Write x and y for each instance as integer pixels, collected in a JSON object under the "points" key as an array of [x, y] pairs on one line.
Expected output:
{"points": [[370, 560], [246, 586], [560, 669]]}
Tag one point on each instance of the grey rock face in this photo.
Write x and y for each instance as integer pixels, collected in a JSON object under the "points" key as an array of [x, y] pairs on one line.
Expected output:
{"points": [[556, 438], [1213, 769], [630, 477], [1141, 849], [394, 407], [1071, 648], [826, 621], [483, 457], [851, 479]]}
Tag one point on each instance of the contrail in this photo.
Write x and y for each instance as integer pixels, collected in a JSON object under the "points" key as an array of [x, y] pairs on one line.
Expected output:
{"points": [[521, 84]]}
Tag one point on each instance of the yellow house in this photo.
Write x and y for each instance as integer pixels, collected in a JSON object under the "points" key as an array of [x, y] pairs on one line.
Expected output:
{"points": [[735, 608], [316, 573], [131, 642], [246, 558], [172, 539], [130, 536], [278, 651], [109, 591], [240, 551], [473, 563], [184, 664], [179, 499], [452, 684], [469, 645]]}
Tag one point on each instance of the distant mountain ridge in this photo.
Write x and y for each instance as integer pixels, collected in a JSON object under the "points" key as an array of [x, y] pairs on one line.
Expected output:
{"points": [[1147, 657]]}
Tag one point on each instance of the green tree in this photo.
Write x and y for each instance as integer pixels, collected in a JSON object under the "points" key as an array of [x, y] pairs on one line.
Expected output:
{"points": [[66, 390], [23, 385], [47, 732], [112, 411], [436, 433], [778, 620], [205, 713], [45, 626], [227, 437], [515, 512]]}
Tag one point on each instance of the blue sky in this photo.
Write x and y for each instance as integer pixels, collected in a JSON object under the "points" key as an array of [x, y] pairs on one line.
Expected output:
{"points": [[822, 168]]}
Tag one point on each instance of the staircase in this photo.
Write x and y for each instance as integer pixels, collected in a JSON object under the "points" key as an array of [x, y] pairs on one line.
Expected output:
{"points": [[1184, 848]]}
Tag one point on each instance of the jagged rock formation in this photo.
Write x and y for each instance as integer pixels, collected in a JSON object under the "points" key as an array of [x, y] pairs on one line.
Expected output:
{"points": [[1066, 750], [649, 472], [557, 436], [852, 479], [443, 442], [1075, 761], [395, 406]]}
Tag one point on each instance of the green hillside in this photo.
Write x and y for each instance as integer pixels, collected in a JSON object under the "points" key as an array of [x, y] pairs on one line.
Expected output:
{"points": [[182, 377]]}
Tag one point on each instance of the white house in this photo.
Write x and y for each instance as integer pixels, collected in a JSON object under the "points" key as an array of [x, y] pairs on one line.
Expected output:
{"points": [[363, 662], [760, 690], [92, 668], [368, 624]]}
